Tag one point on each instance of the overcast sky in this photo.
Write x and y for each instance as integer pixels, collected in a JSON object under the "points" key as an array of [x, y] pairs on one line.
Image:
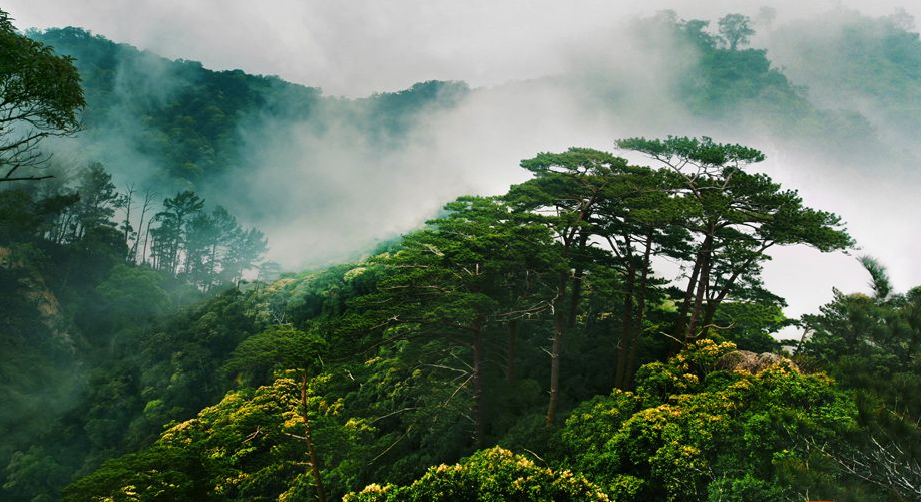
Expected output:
{"points": [[355, 48]]}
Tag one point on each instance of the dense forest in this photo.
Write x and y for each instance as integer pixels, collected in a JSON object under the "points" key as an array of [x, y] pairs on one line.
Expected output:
{"points": [[600, 331]]}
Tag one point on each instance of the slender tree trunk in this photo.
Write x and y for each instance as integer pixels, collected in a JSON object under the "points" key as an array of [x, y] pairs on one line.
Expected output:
{"points": [[640, 311], [558, 326], [681, 322], [477, 382], [713, 305], [625, 330], [175, 261], [709, 314], [510, 352], [127, 225], [146, 242], [802, 341], [559, 323], [211, 266], [64, 225], [188, 258], [308, 437], [137, 240], [702, 284], [576, 293]]}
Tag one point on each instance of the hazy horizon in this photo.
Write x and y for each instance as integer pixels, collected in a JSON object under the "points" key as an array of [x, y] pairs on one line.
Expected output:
{"points": [[361, 48]]}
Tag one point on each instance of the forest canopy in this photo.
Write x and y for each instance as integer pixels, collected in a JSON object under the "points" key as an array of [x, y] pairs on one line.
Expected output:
{"points": [[600, 331]]}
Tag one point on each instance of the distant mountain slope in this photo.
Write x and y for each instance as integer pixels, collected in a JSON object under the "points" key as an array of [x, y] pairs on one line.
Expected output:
{"points": [[186, 119], [851, 61], [744, 89]]}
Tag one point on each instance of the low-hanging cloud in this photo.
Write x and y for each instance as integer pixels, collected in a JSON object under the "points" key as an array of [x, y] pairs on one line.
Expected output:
{"points": [[359, 47], [546, 75]]}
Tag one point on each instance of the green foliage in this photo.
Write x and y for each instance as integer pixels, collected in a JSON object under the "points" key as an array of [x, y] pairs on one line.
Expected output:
{"points": [[882, 286], [40, 96], [449, 290], [704, 432], [733, 217], [727, 82], [177, 114], [744, 88], [438, 341], [488, 475], [703, 151], [744, 489], [133, 294], [871, 346], [436, 347], [278, 346], [158, 474], [246, 446], [32, 474], [735, 30], [599, 417], [750, 325], [24, 216]]}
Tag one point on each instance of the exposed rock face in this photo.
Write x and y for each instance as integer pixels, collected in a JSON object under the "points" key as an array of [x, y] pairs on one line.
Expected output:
{"points": [[33, 286], [750, 361]]}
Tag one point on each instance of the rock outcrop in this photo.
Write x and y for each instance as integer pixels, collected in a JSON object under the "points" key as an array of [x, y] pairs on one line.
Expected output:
{"points": [[750, 361]]}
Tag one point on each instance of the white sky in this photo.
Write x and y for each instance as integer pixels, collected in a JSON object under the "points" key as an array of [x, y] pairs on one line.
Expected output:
{"points": [[358, 47]]}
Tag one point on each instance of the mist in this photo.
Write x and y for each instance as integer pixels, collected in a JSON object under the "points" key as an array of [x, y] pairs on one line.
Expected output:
{"points": [[341, 194], [362, 47], [543, 78]]}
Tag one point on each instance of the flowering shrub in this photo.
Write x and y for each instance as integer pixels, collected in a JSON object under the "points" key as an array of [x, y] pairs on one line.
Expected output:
{"points": [[488, 475], [695, 432]]}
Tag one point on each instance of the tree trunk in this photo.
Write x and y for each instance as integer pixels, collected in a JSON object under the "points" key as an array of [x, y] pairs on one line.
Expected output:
{"points": [[640, 312], [558, 325], [211, 265], [308, 437], [680, 323], [137, 238], [626, 324], [477, 382], [702, 284], [559, 322], [64, 225], [146, 242], [576, 292], [709, 314], [714, 304], [129, 194], [510, 352], [802, 341]]}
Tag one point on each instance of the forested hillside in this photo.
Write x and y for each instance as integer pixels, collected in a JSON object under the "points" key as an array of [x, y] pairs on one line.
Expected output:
{"points": [[871, 63], [184, 121], [599, 331]]}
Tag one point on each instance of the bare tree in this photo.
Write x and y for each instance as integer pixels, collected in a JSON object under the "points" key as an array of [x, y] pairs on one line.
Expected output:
{"points": [[885, 464], [148, 201]]}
